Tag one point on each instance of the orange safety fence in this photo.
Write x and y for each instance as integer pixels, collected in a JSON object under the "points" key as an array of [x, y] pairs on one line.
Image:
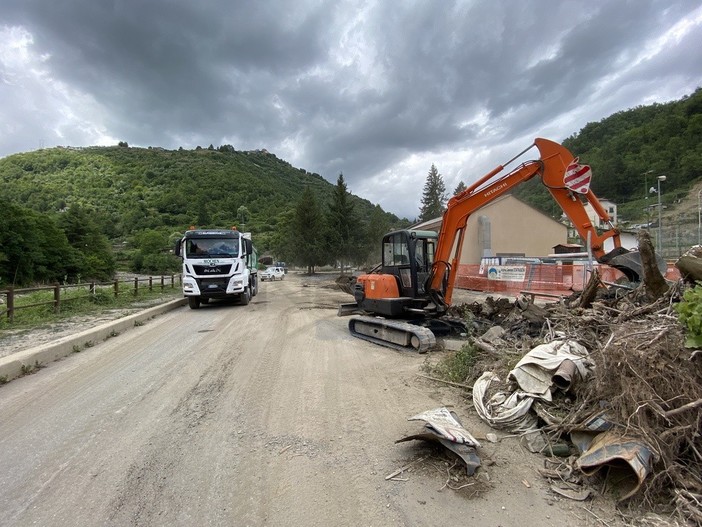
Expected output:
{"points": [[556, 278]]}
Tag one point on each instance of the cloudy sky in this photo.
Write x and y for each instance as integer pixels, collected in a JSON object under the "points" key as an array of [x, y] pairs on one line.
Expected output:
{"points": [[376, 90]]}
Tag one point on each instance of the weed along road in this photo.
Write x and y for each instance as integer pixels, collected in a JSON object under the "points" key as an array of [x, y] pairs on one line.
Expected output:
{"points": [[269, 414]]}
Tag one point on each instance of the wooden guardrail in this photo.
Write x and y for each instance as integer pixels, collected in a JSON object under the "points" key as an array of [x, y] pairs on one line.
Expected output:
{"points": [[10, 294]]}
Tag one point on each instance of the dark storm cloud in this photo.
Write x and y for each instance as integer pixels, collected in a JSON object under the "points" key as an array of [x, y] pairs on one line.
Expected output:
{"points": [[376, 90]]}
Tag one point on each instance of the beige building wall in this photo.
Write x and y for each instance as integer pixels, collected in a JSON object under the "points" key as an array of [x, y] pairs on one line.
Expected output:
{"points": [[515, 227]]}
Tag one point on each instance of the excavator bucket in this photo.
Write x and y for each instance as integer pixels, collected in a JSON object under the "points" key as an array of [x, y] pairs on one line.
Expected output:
{"points": [[629, 263], [346, 283]]}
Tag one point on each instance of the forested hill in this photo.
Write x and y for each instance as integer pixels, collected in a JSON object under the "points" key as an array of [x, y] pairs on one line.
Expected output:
{"points": [[629, 149], [129, 190]]}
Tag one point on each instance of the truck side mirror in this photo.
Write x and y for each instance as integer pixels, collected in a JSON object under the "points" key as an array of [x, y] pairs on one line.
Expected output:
{"points": [[176, 249], [248, 244]]}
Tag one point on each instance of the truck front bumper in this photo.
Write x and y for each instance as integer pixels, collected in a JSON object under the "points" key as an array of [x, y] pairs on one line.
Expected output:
{"points": [[211, 287]]}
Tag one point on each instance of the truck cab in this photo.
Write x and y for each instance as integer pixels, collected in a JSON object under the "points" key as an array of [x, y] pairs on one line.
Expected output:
{"points": [[217, 264]]}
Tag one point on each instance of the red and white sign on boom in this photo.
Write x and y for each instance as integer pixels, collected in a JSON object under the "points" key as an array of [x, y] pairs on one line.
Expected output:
{"points": [[577, 177]]}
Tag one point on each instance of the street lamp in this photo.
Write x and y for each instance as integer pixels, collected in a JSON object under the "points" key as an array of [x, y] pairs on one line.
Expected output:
{"points": [[660, 226], [646, 193]]}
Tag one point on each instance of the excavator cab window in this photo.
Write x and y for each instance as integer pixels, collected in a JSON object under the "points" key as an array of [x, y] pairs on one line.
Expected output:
{"points": [[395, 250], [424, 251], [397, 260], [424, 254]]}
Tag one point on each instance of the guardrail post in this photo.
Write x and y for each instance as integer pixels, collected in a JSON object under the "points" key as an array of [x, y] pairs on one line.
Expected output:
{"points": [[151, 283], [116, 288], [136, 286], [11, 304], [172, 281], [162, 282], [57, 297], [92, 288]]}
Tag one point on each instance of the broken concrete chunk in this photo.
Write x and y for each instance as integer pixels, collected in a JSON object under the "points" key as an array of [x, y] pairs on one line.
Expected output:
{"points": [[493, 335]]}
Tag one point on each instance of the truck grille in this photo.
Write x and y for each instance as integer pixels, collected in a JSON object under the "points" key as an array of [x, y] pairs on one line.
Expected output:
{"points": [[206, 270]]}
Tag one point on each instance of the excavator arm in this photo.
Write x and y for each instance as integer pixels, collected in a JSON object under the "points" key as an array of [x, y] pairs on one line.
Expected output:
{"points": [[551, 167]]}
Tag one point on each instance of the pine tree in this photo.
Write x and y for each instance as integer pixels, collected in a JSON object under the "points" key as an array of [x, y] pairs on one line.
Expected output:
{"points": [[341, 223], [459, 188], [308, 232], [433, 196]]}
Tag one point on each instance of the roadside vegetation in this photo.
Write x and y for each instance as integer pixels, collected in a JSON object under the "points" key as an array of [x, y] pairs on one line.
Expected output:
{"points": [[75, 303], [81, 213]]}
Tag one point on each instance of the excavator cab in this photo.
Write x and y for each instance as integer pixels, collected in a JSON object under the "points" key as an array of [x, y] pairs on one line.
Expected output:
{"points": [[401, 286]]}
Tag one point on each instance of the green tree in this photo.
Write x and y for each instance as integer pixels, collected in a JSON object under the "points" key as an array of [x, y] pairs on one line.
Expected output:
{"points": [[341, 224], [308, 233], [84, 235], [433, 196], [282, 241], [376, 227], [33, 249], [243, 215], [459, 188], [203, 215], [153, 253]]}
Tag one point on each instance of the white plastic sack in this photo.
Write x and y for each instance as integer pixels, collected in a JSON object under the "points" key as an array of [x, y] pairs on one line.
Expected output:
{"points": [[535, 371], [503, 410]]}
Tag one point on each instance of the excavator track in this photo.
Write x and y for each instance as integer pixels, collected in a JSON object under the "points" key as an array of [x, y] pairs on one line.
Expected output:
{"points": [[393, 334]]}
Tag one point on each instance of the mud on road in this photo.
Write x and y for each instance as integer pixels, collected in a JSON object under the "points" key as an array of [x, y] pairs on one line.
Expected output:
{"points": [[266, 414]]}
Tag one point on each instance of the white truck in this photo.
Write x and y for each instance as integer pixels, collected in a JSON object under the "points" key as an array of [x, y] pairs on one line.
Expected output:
{"points": [[218, 264]]}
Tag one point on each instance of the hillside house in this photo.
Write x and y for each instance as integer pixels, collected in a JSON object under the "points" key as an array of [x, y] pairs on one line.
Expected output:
{"points": [[608, 206]]}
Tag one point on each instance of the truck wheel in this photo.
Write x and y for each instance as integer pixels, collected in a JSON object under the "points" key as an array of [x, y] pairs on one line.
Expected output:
{"points": [[194, 302], [245, 297], [254, 288]]}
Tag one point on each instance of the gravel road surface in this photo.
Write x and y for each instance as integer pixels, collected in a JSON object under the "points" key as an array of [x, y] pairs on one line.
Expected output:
{"points": [[266, 414]]}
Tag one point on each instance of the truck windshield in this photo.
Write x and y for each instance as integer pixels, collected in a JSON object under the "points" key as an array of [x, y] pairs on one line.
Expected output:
{"points": [[211, 247]]}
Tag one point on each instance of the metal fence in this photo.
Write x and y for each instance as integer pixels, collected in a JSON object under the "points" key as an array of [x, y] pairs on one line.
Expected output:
{"points": [[675, 237], [91, 289]]}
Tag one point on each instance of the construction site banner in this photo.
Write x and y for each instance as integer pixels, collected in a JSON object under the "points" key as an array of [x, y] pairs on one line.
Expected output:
{"points": [[509, 273]]}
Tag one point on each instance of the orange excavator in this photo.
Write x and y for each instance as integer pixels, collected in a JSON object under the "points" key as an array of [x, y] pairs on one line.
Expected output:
{"points": [[404, 300]]}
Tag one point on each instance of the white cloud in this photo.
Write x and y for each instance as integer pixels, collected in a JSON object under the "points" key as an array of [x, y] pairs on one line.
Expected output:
{"points": [[376, 90]]}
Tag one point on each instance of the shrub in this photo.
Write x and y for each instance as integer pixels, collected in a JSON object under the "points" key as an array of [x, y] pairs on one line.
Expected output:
{"points": [[690, 311]]}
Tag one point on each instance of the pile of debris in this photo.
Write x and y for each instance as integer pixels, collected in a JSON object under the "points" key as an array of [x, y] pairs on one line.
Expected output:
{"points": [[604, 380]]}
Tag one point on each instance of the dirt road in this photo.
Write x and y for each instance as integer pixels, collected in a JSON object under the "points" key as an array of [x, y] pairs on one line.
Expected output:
{"points": [[267, 414]]}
